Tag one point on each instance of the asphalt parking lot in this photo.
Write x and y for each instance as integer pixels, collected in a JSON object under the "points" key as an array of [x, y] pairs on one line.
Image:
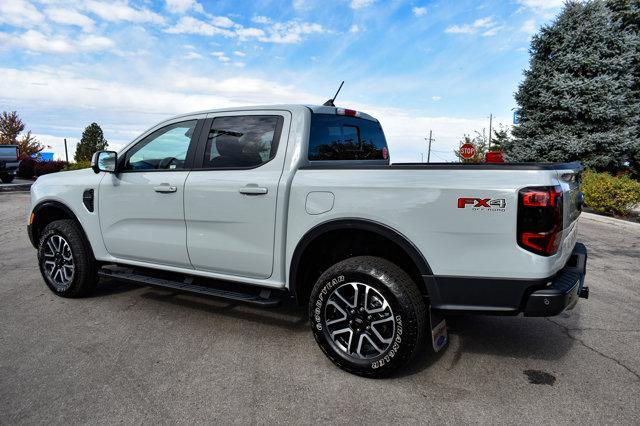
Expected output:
{"points": [[140, 355]]}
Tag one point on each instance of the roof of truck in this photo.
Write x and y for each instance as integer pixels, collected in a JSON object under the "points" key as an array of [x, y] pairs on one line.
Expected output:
{"points": [[316, 109]]}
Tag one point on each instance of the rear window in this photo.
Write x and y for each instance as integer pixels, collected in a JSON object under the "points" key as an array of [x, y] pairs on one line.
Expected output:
{"points": [[336, 137], [7, 150]]}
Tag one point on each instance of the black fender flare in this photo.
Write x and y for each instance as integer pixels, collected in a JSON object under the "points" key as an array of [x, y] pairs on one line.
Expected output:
{"points": [[33, 237], [360, 224]]}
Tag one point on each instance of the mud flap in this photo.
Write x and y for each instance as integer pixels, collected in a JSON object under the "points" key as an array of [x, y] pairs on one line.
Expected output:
{"points": [[438, 325]]}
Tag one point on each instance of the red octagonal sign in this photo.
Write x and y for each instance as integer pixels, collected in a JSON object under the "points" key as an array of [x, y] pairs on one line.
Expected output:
{"points": [[467, 151]]}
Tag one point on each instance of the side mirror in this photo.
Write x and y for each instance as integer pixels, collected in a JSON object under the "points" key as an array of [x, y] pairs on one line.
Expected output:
{"points": [[104, 161]]}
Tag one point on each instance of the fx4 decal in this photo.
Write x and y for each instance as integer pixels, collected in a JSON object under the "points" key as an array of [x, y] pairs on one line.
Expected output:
{"points": [[490, 204]]}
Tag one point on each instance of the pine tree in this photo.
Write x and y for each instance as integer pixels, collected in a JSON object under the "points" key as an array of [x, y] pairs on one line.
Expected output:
{"points": [[500, 139], [92, 140], [627, 20], [576, 98]]}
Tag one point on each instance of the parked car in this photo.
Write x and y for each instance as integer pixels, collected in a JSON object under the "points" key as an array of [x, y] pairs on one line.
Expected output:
{"points": [[256, 204], [8, 162]]}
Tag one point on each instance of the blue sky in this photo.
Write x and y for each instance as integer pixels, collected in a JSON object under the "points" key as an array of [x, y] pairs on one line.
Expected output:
{"points": [[415, 65]]}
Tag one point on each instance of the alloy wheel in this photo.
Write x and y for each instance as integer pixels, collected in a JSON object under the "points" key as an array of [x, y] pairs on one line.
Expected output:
{"points": [[359, 320]]}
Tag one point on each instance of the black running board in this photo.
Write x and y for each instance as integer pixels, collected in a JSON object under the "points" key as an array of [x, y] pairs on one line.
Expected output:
{"points": [[263, 298]]}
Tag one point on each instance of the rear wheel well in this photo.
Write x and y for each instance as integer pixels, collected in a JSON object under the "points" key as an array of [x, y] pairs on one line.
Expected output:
{"points": [[328, 248]]}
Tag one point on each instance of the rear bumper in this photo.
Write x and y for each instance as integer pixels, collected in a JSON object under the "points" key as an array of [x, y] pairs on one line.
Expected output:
{"points": [[498, 296]]}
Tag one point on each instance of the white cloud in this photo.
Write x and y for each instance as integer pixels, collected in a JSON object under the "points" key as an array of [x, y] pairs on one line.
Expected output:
{"points": [[120, 10], [69, 17], [191, 25], [436, 98], [529, 26], [182, 6], [222, 57], [36, 41], [542, 4], [222, 21], [274, 32], [19, 13], [481, 24], [193, 55], [290, 32], [354, 29], [419, 11], [247, 33], [360, 4], [239, 53], [239, 64]]}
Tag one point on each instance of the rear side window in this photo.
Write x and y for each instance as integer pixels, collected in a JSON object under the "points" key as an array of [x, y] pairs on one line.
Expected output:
{"points": [[336, 137], [244, 141]]}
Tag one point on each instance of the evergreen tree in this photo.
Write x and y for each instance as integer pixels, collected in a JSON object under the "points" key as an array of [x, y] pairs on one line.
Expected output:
{"points": [[627, 20], [576, 98], [92, 140], [500, 139]]}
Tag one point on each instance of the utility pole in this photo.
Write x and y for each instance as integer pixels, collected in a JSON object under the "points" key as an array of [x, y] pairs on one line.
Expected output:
{"points": [[490, 122], [66, 152], [430, 140]]}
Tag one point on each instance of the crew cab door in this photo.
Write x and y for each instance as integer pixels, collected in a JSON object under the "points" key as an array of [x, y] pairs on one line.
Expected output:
{"points": [[142, 206], [230, 196]]}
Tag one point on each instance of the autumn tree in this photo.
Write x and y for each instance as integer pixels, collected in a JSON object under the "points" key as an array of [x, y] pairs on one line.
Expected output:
{"points": [[480, 142], [11, 126]]}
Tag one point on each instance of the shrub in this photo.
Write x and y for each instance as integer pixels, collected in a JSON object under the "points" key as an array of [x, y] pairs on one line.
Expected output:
{"points": [[610, 194], [77, 166], [25, 169], [45, 167]]}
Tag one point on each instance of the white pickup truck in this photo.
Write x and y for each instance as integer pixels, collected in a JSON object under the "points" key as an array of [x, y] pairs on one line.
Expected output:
{"points": [[259, 203]]}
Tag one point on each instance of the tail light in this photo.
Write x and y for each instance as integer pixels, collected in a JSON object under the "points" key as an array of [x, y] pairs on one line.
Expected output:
{"points": [[540, 219]]}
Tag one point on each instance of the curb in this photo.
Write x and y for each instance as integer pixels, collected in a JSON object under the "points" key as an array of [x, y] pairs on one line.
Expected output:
{"points": [[15, 187], [609, 220]]}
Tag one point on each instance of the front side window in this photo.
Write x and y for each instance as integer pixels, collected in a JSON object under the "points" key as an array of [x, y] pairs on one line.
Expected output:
{"points": [[245, 141], [164, 149], [335, 137]]}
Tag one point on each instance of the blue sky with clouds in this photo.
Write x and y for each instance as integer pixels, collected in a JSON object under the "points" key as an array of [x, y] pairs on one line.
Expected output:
{"points": [[415, 65]]}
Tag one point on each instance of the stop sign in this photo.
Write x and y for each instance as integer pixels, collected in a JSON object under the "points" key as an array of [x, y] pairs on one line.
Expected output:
{"points": [[467, 151]]}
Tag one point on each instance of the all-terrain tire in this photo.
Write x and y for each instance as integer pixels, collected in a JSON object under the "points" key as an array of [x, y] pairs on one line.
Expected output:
{"points": [[358, 288], [72, 256]]}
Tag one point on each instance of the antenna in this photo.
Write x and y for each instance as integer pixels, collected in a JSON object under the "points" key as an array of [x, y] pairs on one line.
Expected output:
{"points": [[330, 101]]}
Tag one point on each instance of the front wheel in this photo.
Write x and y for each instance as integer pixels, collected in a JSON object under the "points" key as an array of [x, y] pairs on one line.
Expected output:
{"points": [[66, 260], [6, 178], [368, 316]]}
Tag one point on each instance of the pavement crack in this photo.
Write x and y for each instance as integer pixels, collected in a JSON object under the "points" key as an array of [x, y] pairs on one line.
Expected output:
{"points": [[567, 331]]}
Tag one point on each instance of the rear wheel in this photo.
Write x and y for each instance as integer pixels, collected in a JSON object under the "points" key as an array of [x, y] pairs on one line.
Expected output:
{"points": [[66, 261], [6, 178], [368, 316]]}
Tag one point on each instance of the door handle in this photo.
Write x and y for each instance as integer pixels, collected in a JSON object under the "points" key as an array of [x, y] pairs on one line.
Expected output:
{"points": [[165, 188], [253, 189]]}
